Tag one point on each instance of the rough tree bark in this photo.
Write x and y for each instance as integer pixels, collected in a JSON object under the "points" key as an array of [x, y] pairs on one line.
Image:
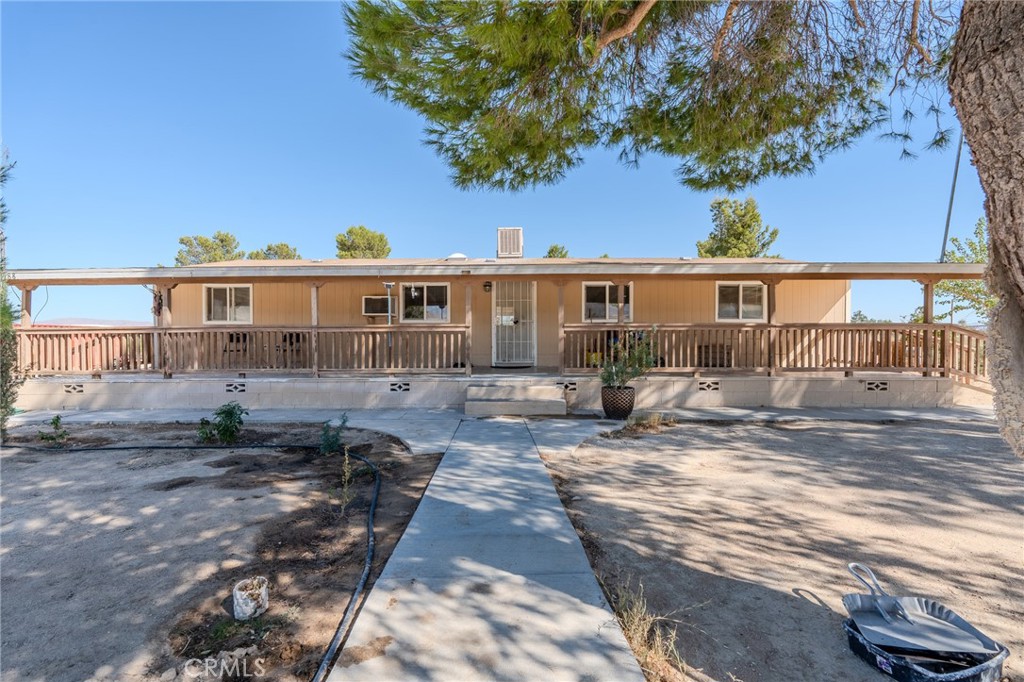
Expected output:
{"points": [[987, 85]]}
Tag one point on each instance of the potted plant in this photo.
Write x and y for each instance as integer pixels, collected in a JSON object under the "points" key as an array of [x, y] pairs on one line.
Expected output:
{"points": [[630, 357]]}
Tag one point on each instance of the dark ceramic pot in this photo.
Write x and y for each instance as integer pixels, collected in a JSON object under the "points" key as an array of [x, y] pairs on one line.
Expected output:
{"points": [[617, 401]]}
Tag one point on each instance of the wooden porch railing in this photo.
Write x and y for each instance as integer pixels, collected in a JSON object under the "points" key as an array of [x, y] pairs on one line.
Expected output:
{"points": [[423, 348], [939, 348], [928, 348], [83, 350]]}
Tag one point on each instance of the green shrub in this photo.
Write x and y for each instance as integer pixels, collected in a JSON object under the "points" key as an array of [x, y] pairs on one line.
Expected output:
{"points": [[57, 436], [226, 424], [631, 357], [330, 436]]}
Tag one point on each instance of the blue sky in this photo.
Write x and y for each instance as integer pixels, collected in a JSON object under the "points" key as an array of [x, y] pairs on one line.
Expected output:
{"points": [[133, 124]]}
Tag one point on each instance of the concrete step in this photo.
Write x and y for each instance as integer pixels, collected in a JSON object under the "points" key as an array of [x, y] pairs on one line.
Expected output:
{"points": [[514, 392], [522, 408]]}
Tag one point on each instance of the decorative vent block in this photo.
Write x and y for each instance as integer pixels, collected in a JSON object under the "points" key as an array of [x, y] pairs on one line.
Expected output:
{"points": [[235, 387], [399, 386], [569, 386], [709, 385], [74, 388], [876, 385]]}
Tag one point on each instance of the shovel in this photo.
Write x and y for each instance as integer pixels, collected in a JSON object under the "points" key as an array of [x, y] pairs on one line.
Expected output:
{"points": [[888, 606]]}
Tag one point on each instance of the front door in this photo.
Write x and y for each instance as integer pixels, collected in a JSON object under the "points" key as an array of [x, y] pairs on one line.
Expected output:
{"points": [[514, 333]]}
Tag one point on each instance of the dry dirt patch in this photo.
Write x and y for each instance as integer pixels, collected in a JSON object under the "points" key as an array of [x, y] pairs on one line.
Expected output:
{"points": [[119, 564], [741, 533]]}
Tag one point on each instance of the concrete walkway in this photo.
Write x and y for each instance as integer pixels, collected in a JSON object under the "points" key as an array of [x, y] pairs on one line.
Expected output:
{"points": [[490, 581]]}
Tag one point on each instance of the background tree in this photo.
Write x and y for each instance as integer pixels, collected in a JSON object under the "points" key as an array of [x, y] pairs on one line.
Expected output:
{"points": [[279, 251], [361, 242], [11, 377], [738, 231], [736, 90], [557, 251], [955, 296], [859, 317], [221, 246]]}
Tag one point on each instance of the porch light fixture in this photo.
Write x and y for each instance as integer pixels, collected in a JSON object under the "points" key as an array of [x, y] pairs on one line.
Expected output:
{"points": [[487, 287]]}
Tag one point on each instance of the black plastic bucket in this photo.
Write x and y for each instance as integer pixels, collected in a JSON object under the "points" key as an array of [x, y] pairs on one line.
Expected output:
{"points": [[916, 666]]}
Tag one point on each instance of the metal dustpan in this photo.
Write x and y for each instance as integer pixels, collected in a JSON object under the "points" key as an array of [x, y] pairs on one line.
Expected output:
{"points": [[911, 623]]}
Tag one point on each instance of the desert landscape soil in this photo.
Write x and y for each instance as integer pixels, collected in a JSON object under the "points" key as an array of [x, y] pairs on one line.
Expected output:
{"points": [[119, 564], [740, 533]]}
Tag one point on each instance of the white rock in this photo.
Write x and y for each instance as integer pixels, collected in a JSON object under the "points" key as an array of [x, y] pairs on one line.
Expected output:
{"points": [[169, 675]]}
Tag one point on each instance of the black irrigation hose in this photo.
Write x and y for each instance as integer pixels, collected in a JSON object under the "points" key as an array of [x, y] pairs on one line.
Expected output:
{"points": [[92, 448], [371, 540], [350, 610]]}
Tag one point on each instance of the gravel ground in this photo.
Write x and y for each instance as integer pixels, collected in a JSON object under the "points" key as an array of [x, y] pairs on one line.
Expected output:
{"points": [[741, 532], [102, 552]]}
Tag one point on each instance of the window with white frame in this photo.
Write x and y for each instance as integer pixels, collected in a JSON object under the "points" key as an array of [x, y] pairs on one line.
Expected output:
{"points": [[601, 302], [425, 302], [741, 302], [227, 304]]}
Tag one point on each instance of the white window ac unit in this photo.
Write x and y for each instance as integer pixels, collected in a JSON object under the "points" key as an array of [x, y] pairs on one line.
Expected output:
{"points": [[374, 306], [510, 242]]}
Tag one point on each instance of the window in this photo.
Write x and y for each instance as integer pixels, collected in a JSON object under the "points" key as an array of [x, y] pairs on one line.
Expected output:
{"points": [[741, 302], [424, 303], [601, 302], [227, 305]]}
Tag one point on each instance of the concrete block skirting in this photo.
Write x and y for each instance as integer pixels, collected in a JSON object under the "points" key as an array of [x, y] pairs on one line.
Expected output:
{"points": [[581, 393]]}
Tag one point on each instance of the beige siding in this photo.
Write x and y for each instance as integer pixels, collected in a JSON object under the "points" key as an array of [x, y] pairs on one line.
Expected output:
{"points": [[654, 301], [481, 351], [547, 324], [187, 305], [824, 301], [285, 304], [282, 305]]}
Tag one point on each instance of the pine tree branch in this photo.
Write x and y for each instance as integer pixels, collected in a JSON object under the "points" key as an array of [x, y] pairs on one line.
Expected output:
{"points": [[913, 37], [716, 51], [856, 14], [626, 29]]}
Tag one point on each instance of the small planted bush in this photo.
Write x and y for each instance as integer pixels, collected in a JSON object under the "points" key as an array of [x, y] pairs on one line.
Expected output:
{"points": [[226, 424], [57, 436], [330, 435]]}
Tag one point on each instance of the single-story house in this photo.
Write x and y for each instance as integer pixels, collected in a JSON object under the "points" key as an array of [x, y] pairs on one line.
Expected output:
{"points": [[504, 317]]}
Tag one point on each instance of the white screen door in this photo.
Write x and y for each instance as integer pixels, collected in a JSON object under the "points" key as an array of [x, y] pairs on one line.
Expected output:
{"points": [[514, 337]]}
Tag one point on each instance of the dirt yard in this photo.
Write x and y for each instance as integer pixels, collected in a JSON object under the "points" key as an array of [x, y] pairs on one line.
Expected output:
{"points": [[741, 534], [118, 565]]}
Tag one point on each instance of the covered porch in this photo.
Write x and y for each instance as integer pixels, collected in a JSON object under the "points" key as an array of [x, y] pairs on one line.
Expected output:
{"points": [[286, 335]]}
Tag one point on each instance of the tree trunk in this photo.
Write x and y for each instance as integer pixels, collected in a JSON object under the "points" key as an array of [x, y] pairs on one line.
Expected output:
{"points": [[987, 85]]}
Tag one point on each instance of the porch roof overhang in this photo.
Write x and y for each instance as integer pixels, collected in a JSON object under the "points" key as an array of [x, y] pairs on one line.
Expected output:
{"points": [[543, 268]]}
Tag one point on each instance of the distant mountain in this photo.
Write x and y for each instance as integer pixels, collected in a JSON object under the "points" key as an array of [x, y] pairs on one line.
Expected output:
{"points": [[90, 322]]}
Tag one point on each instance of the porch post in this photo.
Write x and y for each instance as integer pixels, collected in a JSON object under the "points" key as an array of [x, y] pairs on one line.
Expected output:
{"points": [[561, 328], [929, 319], [929, 302], [771, 283], [469, 328], [621, 293], [163, 322], [314, 321], [26, 307], [165, 311]]}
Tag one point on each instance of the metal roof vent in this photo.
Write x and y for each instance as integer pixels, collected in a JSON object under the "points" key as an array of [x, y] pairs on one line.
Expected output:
{"points": [[510, 242]]}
